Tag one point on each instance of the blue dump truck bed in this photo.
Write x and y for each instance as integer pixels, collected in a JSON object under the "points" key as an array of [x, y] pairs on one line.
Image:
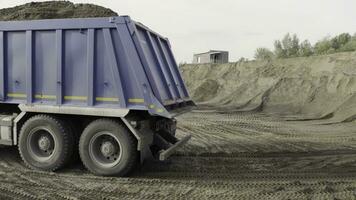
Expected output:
{"points": [[107, 86], [107, 63]]}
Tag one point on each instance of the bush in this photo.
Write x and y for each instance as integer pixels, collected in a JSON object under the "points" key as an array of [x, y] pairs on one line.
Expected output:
{"points": [[242, 59], [323, 46], [341, 40], [288, 47], [279, 51], [263, 54], [350, 46], [306, 49]]}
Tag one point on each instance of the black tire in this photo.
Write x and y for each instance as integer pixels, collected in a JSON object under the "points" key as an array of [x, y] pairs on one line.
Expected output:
{"points": [[57, 136], [119, 160], [76, 131]]}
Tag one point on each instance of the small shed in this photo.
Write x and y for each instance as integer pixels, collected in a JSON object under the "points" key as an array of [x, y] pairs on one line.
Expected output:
{"points": [[212, 56]]}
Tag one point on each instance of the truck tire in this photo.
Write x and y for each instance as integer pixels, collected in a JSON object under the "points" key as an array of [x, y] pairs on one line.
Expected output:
{"points": [[76, 131], [45, 143], [107, 148]]}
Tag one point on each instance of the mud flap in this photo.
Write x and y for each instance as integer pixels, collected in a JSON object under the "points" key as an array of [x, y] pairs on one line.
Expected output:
{"points": [[146, 154], [164, 154], [144, 140]]}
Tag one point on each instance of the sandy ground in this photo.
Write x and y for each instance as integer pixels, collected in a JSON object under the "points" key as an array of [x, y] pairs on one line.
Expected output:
{"points": [[232, 155], [317, 87]]}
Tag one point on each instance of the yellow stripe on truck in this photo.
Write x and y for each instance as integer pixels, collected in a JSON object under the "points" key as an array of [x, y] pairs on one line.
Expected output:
{"points": [[80, 98], [17, 95], [160, 110], [136, 100], [107, 99], [49, 97], [53, 97]]}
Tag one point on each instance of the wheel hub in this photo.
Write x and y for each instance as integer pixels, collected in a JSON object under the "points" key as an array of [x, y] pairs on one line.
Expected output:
{"points": [[44, 143], [105, 149], [108, 149]]}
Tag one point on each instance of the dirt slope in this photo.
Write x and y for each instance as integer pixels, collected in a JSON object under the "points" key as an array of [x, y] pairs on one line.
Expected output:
{"points": [[53, 10], [320, 87]]}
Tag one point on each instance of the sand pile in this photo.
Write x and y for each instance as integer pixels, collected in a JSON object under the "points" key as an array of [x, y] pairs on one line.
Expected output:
{"points": [[320, 87], [54, 10]]}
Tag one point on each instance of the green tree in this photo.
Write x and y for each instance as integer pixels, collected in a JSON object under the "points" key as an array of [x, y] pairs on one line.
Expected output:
{"points": [[350, 46], [263, 54], [278, 50], [306, 48], [323, 46], [287, 47], [242, 59], [294, 48], [340, 40], [287, 44], [290, 46], [334, 43], [344, 38]]}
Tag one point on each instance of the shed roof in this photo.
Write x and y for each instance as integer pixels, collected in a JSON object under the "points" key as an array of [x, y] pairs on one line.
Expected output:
{"points": [[212, 52]]}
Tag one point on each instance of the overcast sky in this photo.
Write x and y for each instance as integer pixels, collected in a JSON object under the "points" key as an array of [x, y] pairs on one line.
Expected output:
{"points": [[239, 26]]}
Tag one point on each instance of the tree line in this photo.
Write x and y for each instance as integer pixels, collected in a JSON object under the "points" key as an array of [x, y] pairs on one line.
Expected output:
{"points": [[290, 46]]}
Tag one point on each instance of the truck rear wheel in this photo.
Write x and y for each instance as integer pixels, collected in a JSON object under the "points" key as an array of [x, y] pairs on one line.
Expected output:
{"points": [[107, 148], [45, 143]]}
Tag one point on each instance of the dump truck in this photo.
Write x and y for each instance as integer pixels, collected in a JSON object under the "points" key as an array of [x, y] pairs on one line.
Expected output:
{"points": [[106, 89]]}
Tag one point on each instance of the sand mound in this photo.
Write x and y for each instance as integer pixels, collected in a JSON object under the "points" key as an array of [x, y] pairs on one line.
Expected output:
{"points": [[319, 87], [54, 10]]}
